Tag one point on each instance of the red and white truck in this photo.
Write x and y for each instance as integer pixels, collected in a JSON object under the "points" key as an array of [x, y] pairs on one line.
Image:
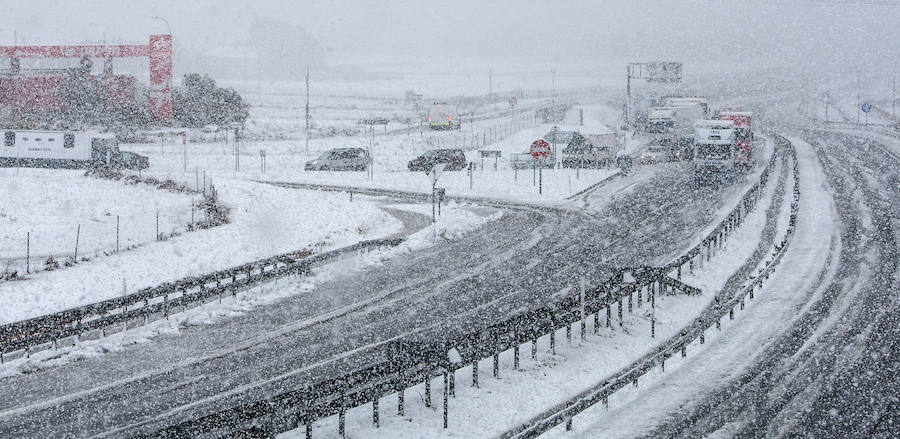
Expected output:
{"points": [[743, 134]]}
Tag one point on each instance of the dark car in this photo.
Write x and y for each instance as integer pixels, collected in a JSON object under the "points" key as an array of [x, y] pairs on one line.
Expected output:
{"points": [[454, 159], [340, 159]]}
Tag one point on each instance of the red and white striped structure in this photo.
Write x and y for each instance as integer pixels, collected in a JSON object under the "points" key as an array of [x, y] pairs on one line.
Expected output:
{"points": [[40, 90]]}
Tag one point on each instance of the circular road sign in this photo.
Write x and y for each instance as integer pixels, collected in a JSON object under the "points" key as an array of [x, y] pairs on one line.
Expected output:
{"points": [[540, 149], [866, 107]]}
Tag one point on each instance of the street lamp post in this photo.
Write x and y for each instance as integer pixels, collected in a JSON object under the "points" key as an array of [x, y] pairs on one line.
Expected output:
{"points": [[553, 72]]}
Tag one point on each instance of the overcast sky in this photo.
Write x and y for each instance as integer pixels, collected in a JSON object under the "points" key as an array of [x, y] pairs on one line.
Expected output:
{"points": [[807, 34]]}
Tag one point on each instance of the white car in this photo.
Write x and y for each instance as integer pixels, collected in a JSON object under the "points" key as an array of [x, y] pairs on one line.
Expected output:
{"points": [[657, 154]]}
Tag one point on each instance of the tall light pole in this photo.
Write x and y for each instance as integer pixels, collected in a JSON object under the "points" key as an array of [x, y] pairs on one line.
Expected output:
{"points": [[858, 83], [553, 72], [307, 110], [168, 26]]}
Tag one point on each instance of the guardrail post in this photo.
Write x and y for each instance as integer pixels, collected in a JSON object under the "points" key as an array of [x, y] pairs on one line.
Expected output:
{"points": [[640, 295], [375, 411], [731, 314], [683, 351], [516, 357], [621, 323], [608, 310], [597, 321], [534, 348], [308, 429], [569, 332], [475, 372], [742, 303], [752, 287], [428, 391], [452, 382], [583, 329], [446, 401], [342, 422], [662, 365], [606, 402], [691, 265], [400, 400], [496, 364], [702, 338], [553, 341], [568, 423], [719, 325], [630, 301], [679, 272]]}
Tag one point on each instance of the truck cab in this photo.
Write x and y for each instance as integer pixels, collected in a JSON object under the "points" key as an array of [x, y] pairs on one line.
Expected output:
{"points": [[714, 150], [660, 120]]}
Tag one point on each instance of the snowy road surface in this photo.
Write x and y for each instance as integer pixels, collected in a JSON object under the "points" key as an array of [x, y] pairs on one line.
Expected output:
{"points": [[511, 264]]}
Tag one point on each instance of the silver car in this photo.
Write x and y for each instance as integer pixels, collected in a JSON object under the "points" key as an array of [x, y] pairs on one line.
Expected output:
{"points": [[658, 154], [340, 159]]}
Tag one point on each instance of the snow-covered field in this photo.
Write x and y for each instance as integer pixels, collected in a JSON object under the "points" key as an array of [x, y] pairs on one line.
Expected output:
{"points": [[49, 206], [285, 159]]}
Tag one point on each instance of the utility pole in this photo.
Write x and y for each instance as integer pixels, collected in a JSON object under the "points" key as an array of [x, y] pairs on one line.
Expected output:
{"points": [[490, 84], [628, 93], [553, 72], [307, 110]]}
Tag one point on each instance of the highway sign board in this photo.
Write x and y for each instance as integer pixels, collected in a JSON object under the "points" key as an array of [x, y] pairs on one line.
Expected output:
{"points": [[540, 149], [866, 107]]}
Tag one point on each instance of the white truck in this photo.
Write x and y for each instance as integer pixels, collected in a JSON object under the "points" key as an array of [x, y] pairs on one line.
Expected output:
{"points": [[65, 149], [443, 116], [714, 150], [686, 112], [660, 120]]}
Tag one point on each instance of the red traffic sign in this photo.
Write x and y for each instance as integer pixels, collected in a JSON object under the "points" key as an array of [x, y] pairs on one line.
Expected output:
{"points": [[540, 149]]}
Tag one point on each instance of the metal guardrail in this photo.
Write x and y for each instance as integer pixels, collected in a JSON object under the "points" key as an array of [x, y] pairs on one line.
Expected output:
{"points": [[422, 196], [410, 362], [153, 303]]}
